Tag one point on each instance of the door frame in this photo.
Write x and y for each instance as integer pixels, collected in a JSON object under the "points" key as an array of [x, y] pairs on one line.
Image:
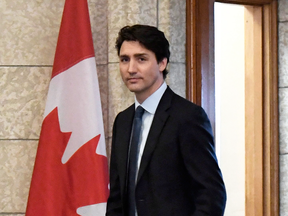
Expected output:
{"points": [[200, 88]]}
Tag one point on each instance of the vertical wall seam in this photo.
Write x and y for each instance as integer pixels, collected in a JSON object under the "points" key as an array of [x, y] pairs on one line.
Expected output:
{"points": [[157, 13]]}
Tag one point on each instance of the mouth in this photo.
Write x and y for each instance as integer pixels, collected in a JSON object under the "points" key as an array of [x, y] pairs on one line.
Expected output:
{"points": [[133, 79]]}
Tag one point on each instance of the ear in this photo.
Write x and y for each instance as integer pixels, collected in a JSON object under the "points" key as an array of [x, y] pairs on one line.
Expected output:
{"points": [[162, 64]]}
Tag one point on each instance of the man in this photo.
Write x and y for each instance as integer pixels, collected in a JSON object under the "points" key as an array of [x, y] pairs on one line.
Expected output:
{"points": [[176, 170]]}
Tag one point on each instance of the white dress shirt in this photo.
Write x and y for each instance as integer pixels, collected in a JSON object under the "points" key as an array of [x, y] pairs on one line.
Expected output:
{"points": [[150, 105]]}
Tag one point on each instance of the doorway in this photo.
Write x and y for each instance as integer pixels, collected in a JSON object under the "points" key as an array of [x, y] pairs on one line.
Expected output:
{"points": [[261, 93], [230, 102]]}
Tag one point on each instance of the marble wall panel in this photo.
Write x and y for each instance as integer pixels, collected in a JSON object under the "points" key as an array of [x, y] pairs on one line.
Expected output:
{"points": [[23, 93], [142, 12], [108, 149], [172, 21], [283, 120], [176, 78], [283, 10], [17, 214], [164, 12], [117, 18], [283, 54], [102, 71], [99, 25], [119, 96], [122, 13], [283, 104], [284, 185], [176, 35], [28, 31], [17, 162]]}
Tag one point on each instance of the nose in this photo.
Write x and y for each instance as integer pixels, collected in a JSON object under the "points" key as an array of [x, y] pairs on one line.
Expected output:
{"points": [[132, 66]]}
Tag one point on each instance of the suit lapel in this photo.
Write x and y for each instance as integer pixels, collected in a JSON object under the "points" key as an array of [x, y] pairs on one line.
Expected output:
{"points": [[158, 123], [124, 140]]}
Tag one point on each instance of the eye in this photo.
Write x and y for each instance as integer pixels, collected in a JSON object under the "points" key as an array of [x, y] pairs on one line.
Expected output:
{"points": [[124, 59], [142, 59]]}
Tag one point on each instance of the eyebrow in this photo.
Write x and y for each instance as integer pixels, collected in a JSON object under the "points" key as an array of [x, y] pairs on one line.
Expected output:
{"points": [[135, 55]]}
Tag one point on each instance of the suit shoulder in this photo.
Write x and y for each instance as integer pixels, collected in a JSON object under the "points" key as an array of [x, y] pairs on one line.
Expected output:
{"points": [[126, 112], [184, 109], [183, 103]]}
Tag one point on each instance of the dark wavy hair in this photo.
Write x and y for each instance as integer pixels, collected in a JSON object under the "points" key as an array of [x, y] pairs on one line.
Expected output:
{"points": [[148, 36]]}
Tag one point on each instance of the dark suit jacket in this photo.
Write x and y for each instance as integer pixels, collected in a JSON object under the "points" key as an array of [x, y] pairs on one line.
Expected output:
{"points": [[179, 173]]}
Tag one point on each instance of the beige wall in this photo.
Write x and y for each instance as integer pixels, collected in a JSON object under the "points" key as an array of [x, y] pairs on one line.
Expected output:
{"points": [[28, 36], [283, 104]]}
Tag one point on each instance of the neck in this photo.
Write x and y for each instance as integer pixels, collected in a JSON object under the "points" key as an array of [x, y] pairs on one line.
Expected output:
{"points": [[142, 96]]}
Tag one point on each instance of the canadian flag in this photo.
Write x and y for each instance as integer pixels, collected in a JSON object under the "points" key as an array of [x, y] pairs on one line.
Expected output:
{"points": [[70, 175]]}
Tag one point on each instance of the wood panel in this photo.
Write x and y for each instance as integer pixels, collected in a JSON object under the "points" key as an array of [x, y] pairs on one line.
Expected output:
{"points": [[200, 77], [253, 111], [270, 111]]}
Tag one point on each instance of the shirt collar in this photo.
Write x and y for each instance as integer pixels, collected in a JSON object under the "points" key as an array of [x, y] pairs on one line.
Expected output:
{"points": [[151, 103]]}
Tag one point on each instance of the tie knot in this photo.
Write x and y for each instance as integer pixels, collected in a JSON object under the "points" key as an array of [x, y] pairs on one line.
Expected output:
{"points": [[139, 112]]}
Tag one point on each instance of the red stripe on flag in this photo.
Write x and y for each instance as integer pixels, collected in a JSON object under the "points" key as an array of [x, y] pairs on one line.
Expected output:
{"points": [[75, 38]]}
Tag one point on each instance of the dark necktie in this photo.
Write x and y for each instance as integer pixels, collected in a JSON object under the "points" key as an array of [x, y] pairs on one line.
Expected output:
{"points": [[133, 159]]}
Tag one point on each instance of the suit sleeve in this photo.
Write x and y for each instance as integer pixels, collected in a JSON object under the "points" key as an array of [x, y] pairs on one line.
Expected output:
{"points": [[197, 149], [114, 203]]}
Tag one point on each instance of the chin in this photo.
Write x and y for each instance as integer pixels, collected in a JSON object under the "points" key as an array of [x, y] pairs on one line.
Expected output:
{"points": [[133, 88]]}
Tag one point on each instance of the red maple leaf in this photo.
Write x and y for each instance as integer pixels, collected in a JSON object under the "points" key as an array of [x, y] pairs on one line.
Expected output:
{"points": [[59, 189]]}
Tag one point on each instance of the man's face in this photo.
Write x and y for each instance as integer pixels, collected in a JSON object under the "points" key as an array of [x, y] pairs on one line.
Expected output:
{"points": [[139, 69]]}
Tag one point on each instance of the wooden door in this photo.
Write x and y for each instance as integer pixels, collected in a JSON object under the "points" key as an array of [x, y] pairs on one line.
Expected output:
{"points": [[261, 98]]}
